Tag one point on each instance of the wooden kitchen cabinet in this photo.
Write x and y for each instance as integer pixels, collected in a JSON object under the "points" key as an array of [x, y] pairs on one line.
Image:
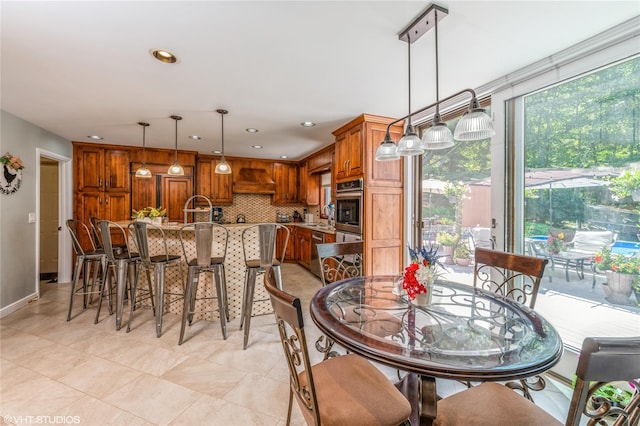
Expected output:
{"points": [[217, 188], [303, 246], [348, 154], [101, 205], [286, 177], [321, 161], [175, 190], [308, 186], [281, 236], [100, 169]]}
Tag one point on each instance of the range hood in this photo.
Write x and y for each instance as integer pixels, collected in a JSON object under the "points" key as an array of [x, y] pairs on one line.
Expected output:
{"points": [[253, 181]]}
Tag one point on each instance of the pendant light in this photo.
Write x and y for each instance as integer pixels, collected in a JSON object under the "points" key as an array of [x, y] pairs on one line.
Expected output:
{"points": [[176, 169], [222, 168], [410, 143], [438, 136], [143, 172], [475, 124]]}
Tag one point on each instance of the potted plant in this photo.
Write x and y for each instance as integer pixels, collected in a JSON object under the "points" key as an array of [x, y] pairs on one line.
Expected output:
{"points": [[621, 272], [462, 255], [152, 215], [448, 242], [556, 244]]}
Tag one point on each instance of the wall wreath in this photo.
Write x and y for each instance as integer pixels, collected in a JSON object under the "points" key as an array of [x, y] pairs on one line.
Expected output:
{"points": [[11, 174]]}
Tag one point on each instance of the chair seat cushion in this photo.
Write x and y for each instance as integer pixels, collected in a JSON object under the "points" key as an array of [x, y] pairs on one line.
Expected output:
{"points": [[490, 404], [351, 391]]}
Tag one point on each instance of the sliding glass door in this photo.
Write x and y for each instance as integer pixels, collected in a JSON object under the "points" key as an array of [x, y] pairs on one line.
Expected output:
{"points": [[578, 200]]}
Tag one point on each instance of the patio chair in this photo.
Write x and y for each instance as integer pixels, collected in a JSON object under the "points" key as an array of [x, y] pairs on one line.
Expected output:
{"points": [[588, 243], [340, 260], [602, 361]]}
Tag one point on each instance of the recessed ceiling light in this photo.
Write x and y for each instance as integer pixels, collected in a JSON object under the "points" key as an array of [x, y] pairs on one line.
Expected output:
{"points": [[217, 151], [307, 124], [164, 56], [195, 137], [95, 137], [257, 146], [284, 156], [252, 130]]}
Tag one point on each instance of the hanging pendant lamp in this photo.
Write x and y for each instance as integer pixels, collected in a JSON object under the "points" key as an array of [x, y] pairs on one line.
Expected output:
{"points": [[410, 143], [222, 168], [176, 169], [438, 136], [143, 172], [475, 124]]}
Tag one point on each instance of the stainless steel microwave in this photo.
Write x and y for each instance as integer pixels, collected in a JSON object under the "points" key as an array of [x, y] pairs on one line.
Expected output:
{"points": [[349, 206]]}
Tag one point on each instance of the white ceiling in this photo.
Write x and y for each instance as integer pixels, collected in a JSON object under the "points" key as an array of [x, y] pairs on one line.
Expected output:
{"points": [[83, 68]]}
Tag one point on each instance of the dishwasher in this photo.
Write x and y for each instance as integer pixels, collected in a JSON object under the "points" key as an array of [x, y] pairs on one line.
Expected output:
{"points": [[317, 237]]}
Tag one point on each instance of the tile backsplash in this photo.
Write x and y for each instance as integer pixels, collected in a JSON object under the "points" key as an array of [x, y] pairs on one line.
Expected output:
{"points": [[258, 208]]}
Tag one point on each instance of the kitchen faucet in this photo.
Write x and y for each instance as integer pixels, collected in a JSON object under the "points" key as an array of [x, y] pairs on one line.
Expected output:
{"points": [[328, 210]]}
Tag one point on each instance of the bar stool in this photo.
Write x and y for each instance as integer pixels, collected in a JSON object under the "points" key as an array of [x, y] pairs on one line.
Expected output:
{"points": [[85, 261], [139, 231], [211, 250], [124, 263], [256, 259]]}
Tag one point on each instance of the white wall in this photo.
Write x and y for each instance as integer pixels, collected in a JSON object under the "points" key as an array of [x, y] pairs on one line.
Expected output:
{"points": [[18, 271]]}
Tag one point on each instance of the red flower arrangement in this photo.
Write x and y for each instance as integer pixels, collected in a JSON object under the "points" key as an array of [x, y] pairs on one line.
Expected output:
{"points": [[421, 272]]}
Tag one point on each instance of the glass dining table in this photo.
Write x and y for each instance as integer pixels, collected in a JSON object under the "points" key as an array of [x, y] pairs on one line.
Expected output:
{"points": [[463, 333]]}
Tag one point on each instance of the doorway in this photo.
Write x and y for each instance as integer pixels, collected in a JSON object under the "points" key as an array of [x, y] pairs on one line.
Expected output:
{"points": [[49, 220], [54, 205]]}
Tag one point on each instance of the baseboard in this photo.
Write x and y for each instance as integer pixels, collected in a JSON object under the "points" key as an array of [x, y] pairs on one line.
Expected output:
{"points": [[17, 305]]}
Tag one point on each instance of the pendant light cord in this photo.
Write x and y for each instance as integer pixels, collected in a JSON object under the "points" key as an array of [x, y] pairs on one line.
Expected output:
{"points": [[176, 157], [144, 132], [437, 66], [409, 75], [222, 116]]}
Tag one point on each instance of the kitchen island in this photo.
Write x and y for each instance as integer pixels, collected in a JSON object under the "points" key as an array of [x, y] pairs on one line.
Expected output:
{"points": [[234, 269]]}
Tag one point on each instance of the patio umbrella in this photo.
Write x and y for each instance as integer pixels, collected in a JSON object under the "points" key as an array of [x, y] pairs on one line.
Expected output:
{"points": [[433, 186]]}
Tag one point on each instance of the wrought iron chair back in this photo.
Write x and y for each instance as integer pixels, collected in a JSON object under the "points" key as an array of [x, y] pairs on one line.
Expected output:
{"points": [[512, 275], [340, 260], [342, 390]]}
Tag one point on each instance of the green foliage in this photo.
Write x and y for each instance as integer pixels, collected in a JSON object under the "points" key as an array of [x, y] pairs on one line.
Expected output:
{"points": [[624, 184], [149, 212], [535, 228], [447, 239], [462, 252]]}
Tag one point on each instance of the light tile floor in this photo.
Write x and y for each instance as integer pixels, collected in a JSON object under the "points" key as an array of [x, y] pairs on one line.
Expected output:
{"points": [[78, 372]]}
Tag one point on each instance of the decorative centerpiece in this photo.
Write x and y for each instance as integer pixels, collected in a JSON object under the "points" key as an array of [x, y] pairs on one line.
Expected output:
{"points": [[421, 273], [152, 215]]}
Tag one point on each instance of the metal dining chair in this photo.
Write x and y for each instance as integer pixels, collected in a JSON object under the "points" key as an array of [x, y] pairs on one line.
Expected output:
{"points": [[340, 260], [344, 390], [211, 250], [123, 261], [259, 253], [156, 262], [516, 277], [89, 262], [602, 361]]}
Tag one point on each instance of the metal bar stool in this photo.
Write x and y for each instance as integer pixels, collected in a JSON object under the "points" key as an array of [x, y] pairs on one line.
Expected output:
{"points": [[85, 261], [256, 262], [124, 263], [211, 251], [139, 230]]}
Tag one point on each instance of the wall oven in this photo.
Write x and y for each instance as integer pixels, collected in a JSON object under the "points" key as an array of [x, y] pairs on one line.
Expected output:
{"points": [[349, 203]]}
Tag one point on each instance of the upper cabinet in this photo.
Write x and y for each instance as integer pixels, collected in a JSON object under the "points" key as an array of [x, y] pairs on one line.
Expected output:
{"points": [[286, 178], [218, 188], [101, 169], [348, 152], [308, 185], [356, 144]]}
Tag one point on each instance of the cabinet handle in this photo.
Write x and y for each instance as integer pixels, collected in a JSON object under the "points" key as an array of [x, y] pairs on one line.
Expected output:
{"points": [[106, 183], [99, 182], [99, 200], [106, 200]]}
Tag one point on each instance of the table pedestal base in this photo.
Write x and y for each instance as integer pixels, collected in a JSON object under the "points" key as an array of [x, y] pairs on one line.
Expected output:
{"points": [[420, 391]]}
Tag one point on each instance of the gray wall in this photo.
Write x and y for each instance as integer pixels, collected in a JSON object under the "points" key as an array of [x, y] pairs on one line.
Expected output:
{"points": [[18, 269]]}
